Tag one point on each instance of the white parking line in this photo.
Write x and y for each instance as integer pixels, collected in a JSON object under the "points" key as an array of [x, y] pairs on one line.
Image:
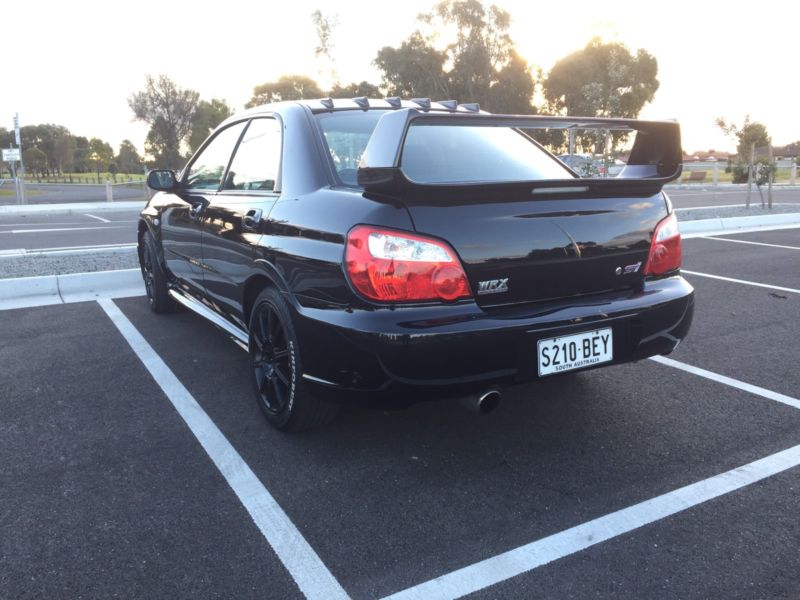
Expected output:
{"points": [[526, 558], [515, 562], [742, 281], [747, 387], [308, 571], [101, 219], [97, 227], [721, 239]]}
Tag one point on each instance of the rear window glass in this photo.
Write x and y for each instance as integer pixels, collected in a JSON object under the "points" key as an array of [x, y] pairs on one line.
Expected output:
{"points": [[456, 154], [441, 153]]}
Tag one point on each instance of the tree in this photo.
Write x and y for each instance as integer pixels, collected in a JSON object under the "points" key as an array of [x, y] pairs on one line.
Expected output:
{"points": [[478, 65], [288, 87], [169, 111], [64, 153], [354, 90], [128, 159], [207, 116], [324, 26], [602, 80], [751, 132], [100, 154], [80, 160], [35, 160]]}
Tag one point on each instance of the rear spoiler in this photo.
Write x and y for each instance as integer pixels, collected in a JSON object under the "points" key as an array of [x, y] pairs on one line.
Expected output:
{"points": [[656, 157]]}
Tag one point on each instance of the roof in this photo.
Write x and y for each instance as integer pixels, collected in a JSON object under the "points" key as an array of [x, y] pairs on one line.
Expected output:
{"points": [[336, 104]]}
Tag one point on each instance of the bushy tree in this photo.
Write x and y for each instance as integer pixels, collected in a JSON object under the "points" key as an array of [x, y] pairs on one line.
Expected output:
{"points": [[100, 154], [479, 64], [169, 110], [128, 159], [35, 160], [207, 116], [749, 133], [287, 87], [354, 90], [80, 159], [601, 80]]}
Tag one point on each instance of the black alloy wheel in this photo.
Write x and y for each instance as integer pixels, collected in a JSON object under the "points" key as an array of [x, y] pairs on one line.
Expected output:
{"points": [[154, 276], [272, 360], [147, 272], [281, 392]]}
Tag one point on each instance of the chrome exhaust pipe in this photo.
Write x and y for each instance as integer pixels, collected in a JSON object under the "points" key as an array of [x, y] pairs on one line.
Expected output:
{"points": [[483, 403]]}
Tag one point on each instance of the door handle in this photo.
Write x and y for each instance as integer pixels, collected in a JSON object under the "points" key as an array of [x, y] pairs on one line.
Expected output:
{"points": [[196, 210], [251, 219]]}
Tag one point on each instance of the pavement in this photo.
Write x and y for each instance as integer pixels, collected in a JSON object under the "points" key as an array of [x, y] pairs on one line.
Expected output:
{"points": [[137, 464]]}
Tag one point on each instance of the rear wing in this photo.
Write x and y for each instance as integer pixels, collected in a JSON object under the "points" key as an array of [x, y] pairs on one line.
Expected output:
{"points": [[655, 159]]}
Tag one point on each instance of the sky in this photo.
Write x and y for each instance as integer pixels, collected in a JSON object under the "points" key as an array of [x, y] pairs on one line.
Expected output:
{"points": [[82, 59]]}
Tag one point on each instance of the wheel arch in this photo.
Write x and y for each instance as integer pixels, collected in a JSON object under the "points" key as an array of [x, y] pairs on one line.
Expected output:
{"points": [[266, 275]]}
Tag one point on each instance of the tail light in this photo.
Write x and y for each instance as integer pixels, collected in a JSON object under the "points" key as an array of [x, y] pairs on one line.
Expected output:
{"points": [[395, 266], [665, 249]]}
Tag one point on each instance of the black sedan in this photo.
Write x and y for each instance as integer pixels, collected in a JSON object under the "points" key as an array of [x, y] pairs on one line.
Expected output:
{"points": [[387, 251]]}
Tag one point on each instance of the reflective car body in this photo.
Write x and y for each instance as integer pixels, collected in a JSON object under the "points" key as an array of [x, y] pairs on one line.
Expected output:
{"points": [[538, 265]]}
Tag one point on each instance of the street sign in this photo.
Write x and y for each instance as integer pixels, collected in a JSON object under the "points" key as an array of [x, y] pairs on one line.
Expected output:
{"points": [[16, 128], [11, 154]]}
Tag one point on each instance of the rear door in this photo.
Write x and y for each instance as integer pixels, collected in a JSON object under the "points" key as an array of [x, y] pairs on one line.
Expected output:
{"points": [[233, 220]]}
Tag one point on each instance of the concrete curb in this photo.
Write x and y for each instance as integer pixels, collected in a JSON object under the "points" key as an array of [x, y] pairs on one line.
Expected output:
{"points": [[23, 292], [718, 226], [69, 208], [103, 249]]}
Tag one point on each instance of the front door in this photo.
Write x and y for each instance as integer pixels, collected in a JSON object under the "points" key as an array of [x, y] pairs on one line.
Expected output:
{"points": [[233, 220], [181, 226]]}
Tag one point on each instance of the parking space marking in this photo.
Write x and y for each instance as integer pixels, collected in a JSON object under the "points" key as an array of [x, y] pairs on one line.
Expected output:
{"points": [[515, 562], [741, 385], [721, 239], [96, 227], [101, 219], [308, 571], [742, 281]]}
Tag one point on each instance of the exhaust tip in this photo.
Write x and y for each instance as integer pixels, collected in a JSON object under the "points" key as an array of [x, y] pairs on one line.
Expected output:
{"points": [[489, 401], [483, 403]]}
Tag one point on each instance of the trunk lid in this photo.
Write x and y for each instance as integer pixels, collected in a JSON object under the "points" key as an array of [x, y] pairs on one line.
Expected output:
{"points": [[533, 250]]}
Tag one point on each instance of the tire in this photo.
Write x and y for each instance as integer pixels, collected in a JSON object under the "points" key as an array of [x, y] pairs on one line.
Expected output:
{"points": [[155, 278], [277, 371]]}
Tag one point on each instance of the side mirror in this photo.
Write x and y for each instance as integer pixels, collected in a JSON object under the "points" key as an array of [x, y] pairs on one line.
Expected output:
{"points": [[162, 180]]}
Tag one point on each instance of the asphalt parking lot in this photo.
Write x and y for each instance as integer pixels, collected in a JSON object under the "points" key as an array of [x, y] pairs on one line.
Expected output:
{"points": [[137, 464]]}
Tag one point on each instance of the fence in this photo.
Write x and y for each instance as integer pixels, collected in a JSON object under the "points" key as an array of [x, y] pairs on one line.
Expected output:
{"points": [[57, 192], [715, 172]]}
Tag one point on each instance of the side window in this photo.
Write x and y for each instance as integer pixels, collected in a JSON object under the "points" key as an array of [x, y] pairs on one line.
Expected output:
{"points": [[258, 157], [206, 171]]}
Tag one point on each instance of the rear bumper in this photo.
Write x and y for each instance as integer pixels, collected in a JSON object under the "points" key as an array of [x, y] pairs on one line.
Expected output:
{"points": [[460, 348]]}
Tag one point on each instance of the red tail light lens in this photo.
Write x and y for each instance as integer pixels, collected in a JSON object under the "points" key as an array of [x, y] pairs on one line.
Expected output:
{"points": [[395, 266], [665, 249]]}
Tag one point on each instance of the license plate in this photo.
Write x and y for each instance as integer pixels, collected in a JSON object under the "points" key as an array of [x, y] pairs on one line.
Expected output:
{"points": [[576, 351]]}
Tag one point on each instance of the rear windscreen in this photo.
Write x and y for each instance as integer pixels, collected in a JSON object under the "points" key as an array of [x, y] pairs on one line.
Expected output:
{"points": [[455, 154], [441, 153]]}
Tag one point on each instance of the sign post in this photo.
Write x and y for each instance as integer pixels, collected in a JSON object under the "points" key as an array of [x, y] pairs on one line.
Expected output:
{"points": [[21, 173], [12, 156]]}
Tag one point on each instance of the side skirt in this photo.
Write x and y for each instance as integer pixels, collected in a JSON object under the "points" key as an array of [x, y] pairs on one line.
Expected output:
{"points": [[238, 335]]}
